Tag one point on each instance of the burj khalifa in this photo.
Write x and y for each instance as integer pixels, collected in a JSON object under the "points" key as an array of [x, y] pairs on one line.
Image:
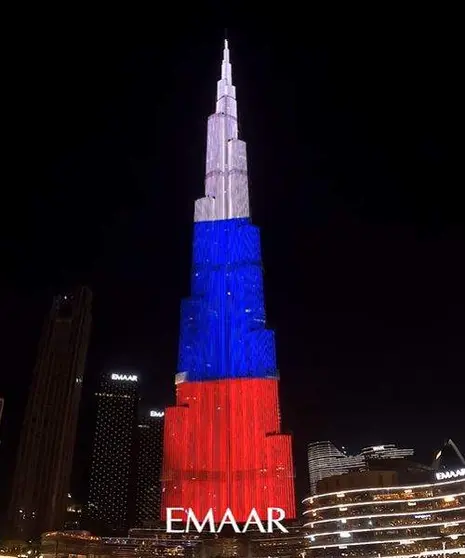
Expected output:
{"points": [[223, 445]]}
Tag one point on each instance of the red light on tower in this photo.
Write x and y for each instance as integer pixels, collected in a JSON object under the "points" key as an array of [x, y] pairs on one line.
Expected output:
{"points": [[224, 449], [223, 446]]}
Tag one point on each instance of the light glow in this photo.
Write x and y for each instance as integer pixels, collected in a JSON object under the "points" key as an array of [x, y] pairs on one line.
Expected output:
{"points": [[226, 183], [219, 451], [449, 498], [210, 520], [223, 447], [381, 489], [451, 474], [389, 527], [387, 541], [223, 328], [380, 515], [124, 377]]}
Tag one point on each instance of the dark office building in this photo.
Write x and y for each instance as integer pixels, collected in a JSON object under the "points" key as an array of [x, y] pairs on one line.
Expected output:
{"points": [[43, 468], [149, 464], [112, 482]]}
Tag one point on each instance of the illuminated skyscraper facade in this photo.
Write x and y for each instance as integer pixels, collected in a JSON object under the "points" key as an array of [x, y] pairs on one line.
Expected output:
{"points": [[149, 465], [326, 460], [112, 479], [223, 445], [43, 469]]}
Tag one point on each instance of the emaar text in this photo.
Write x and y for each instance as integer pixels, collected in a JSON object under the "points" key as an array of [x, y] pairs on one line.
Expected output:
{"points": [[190, 522]]}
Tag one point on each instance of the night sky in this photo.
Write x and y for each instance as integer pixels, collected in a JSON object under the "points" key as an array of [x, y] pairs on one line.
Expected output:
{"points": [[350, 134]]}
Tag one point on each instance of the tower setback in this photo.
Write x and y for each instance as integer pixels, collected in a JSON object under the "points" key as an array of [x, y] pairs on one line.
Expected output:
{"points": [[223, 446]]}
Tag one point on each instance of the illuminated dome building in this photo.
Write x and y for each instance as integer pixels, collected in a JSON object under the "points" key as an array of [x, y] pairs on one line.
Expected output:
{"points": [[405, 513]]}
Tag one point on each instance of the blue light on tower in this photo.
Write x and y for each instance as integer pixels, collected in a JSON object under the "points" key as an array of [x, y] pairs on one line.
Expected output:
{"points": [[223, 329]]}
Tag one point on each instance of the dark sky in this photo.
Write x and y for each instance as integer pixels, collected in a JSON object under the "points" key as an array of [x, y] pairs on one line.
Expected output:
{"points": [[350, 134]]}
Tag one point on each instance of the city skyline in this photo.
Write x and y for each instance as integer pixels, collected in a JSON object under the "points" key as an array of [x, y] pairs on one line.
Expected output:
{"points": [[358, 316]]}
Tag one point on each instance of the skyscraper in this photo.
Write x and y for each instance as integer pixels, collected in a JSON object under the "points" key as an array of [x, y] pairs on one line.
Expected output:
{"points": [[326, 460], [43, 469], [223, 445], [149, 464], [112, 479]]}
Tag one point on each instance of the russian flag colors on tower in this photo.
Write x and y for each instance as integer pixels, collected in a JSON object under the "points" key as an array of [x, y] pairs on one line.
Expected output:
{"points": [[223, 446]]}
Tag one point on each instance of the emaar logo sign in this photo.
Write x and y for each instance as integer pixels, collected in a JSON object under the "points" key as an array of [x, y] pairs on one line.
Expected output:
{"points": [[124, 377], [451, 474], [191, 522], [157, 414]]}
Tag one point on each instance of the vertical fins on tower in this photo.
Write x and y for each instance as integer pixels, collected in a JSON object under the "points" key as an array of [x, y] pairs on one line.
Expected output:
{"points": [[226, 182]]}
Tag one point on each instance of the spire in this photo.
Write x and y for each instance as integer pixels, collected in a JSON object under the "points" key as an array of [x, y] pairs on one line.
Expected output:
{"points": [[226, 65], [226, 189], [225, 88]]}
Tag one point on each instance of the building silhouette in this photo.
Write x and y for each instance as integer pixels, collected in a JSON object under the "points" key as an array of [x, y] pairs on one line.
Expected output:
{"points": [[149, 466], [43, 469], [448, 458], [326, 460], [2, 404], [110, 506], [223, 445]]}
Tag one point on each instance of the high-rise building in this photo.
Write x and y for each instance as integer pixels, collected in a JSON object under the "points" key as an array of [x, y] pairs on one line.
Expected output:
{"points": [[43, 469], [223, 445], [326, 460], [112, 478], [149, 465]]}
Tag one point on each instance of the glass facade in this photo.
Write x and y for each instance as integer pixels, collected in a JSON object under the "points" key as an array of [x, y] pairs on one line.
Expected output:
{"points": [[112, 468], [223, 446], [149, 464], [223, 330]]}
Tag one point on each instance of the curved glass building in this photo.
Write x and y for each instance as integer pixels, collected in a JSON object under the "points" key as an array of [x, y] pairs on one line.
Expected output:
{"points": [[372, 515]]}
